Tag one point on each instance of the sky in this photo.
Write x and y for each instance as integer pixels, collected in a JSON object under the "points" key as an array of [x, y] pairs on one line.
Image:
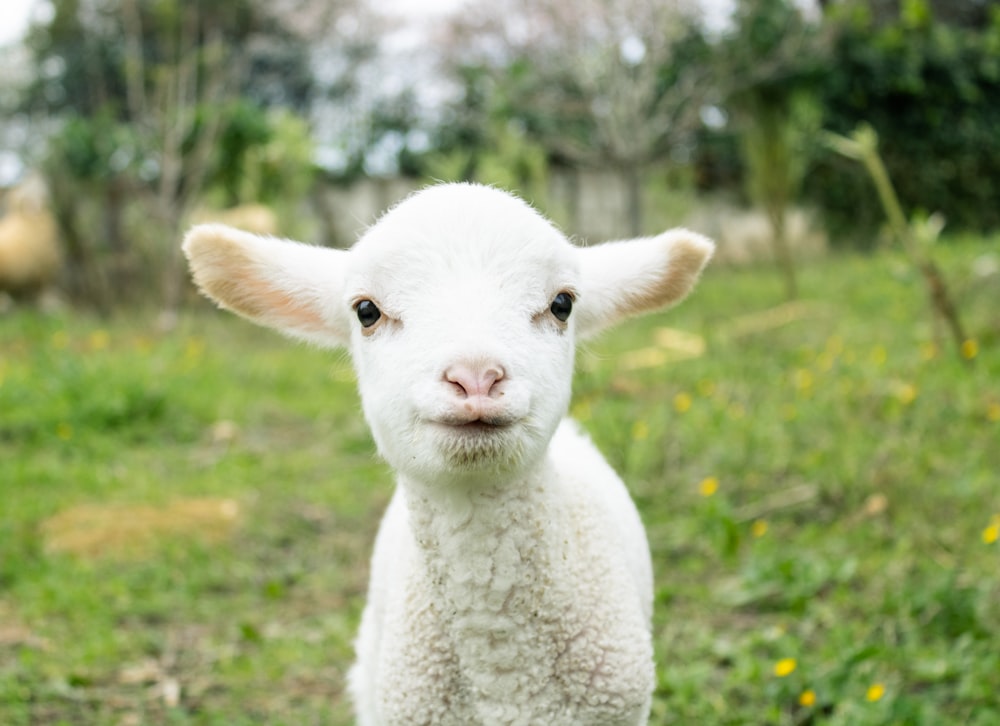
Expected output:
{"points": [[14, 16]]}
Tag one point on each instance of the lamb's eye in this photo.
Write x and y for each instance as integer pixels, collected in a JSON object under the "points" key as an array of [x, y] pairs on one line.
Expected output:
{"points": [[368, 313], [562, 306]]}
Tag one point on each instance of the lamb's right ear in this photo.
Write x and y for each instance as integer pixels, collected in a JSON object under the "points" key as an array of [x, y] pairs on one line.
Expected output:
{"points": [[289, 286], [636, 276]]}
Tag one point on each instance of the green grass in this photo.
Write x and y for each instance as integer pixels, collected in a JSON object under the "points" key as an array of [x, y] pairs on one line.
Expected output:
{"points": [[855, 465]]}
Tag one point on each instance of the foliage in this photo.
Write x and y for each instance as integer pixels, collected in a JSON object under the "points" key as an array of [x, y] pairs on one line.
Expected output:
{"points": [[825, 549], [613, 85], [931, 92], [915, 236], [772, 59]]}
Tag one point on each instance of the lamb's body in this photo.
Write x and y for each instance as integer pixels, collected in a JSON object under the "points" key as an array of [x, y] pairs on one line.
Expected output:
{"points": [[511, 581], [504, 614]]}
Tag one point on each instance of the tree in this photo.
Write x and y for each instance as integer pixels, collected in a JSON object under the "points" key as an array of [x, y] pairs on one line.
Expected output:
{"points": [[599, 82], [931, 91], [771, 62], [180, 87]]}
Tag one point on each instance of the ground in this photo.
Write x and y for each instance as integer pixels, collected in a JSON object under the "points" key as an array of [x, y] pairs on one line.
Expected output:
{"points": [[185, 518]]}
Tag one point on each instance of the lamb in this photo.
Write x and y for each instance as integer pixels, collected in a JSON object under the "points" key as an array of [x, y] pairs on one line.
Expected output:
{"points": [[511, 580]]}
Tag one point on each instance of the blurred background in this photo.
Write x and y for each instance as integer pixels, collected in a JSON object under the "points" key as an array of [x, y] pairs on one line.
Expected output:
{"points": [[124, 121], [188, 503]]}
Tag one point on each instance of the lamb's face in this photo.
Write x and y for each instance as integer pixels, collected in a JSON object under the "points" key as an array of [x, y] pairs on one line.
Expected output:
{"points": [[460, 308], [462, 331]]}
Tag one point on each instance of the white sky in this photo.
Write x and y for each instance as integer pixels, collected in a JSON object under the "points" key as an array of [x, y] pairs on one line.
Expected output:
{"points": [[14, 16]]}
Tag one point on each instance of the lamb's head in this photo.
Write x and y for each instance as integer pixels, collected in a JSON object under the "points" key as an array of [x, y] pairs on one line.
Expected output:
{"points": [[460, 308]]}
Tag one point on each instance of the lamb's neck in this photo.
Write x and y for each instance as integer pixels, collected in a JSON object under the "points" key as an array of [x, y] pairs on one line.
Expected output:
{"points": [[488, 549]]}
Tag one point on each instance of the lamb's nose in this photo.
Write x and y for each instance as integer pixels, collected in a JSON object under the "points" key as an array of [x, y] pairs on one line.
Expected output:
{"points": [[472, 381]]}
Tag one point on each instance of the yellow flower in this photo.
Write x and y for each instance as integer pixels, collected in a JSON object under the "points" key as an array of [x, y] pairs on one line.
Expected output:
{"points": [[875, 692], [193, 348], [970, 349], [581, 411], [879, 355], [825, 361], [803, 379], [640, 430], [60, 339], [991, 534], [993, 412], [807, 698], [706, 388], [906, 393], [64, 431], [682, 402], [758, 528], [709, 486], [785, 667], [98, 340]]}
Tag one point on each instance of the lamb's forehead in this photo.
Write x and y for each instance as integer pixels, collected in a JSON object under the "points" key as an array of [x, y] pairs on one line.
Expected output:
{"points": [[455, 225]]}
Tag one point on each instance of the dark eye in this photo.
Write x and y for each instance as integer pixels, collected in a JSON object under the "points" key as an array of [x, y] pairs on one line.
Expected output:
{"points": [[562, 306], [368, 313]]}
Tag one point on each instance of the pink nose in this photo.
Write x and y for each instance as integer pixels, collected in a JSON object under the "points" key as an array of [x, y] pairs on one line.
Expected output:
{"points": [[475, 380]]}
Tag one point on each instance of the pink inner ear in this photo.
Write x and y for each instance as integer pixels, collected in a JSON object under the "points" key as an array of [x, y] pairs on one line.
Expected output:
{"points": [[684, 264], [231, 275], [247, 293]]}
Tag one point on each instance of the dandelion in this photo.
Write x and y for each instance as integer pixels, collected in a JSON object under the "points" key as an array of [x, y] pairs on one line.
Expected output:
{"points": [[193, 349], [582, 412], [970, 349], [98, 340], [785, 667], [993, 412], [906, 393], [682, 402], [804, 379], [807, 698], [879, 355], [875, 692], [60, 339], [708, 486], [640, 431], [64, 431], [992, 533], [759, 528]]}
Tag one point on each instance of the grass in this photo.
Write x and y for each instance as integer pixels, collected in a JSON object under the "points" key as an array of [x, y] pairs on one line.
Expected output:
{"points": [[185, 518]]}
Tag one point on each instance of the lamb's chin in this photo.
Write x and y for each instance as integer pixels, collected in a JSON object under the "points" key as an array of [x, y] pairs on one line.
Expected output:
{"points": [[479, 446]]}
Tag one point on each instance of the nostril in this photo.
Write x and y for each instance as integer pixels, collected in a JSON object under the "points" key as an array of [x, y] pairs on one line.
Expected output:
{"points": [[474, 380]]}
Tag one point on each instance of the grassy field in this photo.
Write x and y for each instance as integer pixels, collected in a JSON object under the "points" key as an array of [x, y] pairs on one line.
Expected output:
{"points": [[185, 518]]}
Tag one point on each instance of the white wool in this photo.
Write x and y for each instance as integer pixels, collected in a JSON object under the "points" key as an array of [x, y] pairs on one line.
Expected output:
{"points": [[511, 580]]}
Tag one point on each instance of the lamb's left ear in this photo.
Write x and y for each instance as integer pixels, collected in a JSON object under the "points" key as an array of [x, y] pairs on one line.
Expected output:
{"points": [[289, 286], [631, 277]]}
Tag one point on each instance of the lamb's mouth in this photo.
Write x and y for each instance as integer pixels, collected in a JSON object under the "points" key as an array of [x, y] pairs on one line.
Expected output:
{"points": [[476, 427], [473, 445]]}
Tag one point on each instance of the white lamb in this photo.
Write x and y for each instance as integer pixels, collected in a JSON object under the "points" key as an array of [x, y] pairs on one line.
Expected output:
{"points": [[511, 581]]}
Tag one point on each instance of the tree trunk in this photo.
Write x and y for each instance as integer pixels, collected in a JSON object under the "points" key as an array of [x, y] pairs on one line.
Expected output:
{"points": [[633, 191]]}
